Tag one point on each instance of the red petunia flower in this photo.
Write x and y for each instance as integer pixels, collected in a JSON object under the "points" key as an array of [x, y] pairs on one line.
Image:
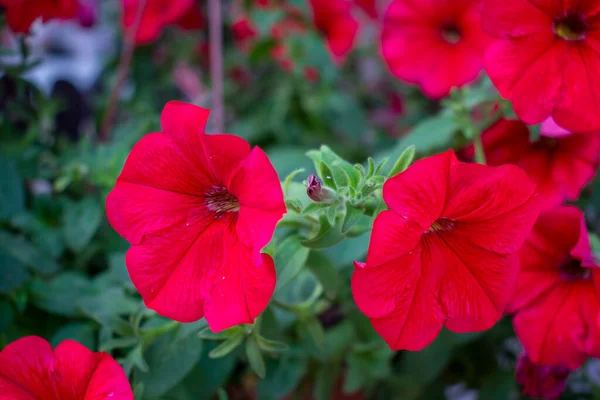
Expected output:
{"points": [[368, 6], [20, 14], [546, 59], [333, 18], [197, 210], [30, 369], [434, 44], [244, 34], [539, 381], [560, 166], [446, 251], [556, 302], [158, 14]]}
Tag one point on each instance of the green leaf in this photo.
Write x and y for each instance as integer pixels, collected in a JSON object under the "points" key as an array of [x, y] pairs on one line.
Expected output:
{"points": [[353, 215], [403, 161], [209, 374], [13, 273], [290, 178], [271, 346], [501, 386], [228, 345], [283, 376], [255, 358], [327, 175], [12, 191], [325, 272], [81, 220], [289, 258], [327, 375], [356, 374], [313, 207], [294, 205], [426, 365], [207, 334], [327, 236], [108, 304], [7, 314], [119, 343], [28, 254], [83, 333], [432, 134], [50, 240], [169, 361], [61, 294]]}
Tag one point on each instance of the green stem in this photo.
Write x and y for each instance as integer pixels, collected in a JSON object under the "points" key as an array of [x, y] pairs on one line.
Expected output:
{"points": [[478, 144]]}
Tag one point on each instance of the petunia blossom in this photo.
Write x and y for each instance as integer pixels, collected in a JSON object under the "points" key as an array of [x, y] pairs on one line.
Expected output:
{"points": [[31, 370], [20, 14], [540, 381], [546, 58], [333, 18], [445, 253], [556, 303], [560, 166], [158, 14], [197, 210], [434, 44]]}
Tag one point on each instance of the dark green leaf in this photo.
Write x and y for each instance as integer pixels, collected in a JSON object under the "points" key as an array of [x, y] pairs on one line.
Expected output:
{"points": [[283, 375], [228, 345], [325, 272], [83, 333], [327, 175], [289, 258], [169, 361], [81, 220], [25, 252], [327, 236], [255, 358], [353, 215], [272, 346], [61, 294], [13, 273], [209, 374], [12, 191]]}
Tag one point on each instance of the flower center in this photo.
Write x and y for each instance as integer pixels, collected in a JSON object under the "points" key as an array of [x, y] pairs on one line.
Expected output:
{"points": [[441, 225], [571, 270], [219, 200], [571, 27], [450, 33]]}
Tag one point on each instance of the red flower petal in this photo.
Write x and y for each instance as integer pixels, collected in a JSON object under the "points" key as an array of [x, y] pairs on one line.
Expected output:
{"points": [[513, 18], [470, 221], [29, 369]]}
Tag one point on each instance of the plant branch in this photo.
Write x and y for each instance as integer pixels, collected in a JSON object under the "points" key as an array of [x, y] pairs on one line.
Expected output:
{"points": [[122, 71], [216, 63]]}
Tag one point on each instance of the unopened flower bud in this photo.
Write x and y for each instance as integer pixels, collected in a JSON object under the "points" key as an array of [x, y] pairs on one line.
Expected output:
{"points": [[316, 191], [540, 381]]}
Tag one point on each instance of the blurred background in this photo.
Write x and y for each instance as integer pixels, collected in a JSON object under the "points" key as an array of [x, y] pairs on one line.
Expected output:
{"points": [[76, 94]]}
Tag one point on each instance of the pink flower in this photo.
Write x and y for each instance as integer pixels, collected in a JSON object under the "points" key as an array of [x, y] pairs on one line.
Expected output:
{"points": [[197, 210], [434, 44], [30, 369]]}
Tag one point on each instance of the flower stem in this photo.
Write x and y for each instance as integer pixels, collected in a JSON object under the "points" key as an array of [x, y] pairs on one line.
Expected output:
{"points": [[478, 145], [216, 63], [123, 70]]}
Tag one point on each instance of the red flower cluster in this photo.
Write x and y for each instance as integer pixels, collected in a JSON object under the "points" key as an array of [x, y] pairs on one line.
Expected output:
{"points": [[556, 305], [30, 369], [20, 14], [546, 59], [560, 166], [197, 210], [434, 44], [334, 20], [157, 14], [446, 251]]}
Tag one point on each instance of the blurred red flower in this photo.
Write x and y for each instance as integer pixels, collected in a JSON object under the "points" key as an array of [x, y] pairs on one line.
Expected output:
{"points": [[244, 33], [368, 6], [197, 210], [560, 166], [30, 369], [546, 58], [446, 251], [158, 14], [556, 302], [435, 44], [333, 18], [20, 14], [539, 381]]}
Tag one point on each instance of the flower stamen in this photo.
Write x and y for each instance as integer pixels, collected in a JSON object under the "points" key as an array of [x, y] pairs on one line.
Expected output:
{"points": [[219, 200]]}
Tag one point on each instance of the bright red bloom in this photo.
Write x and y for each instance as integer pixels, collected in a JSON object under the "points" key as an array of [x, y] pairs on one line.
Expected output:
{"points": [[31, 370], [435, 44], [197, 210], [158, 14], [446, 251], [539, 381], [20, 14], [244, 33], [560, 166], [546, 59], [333, 18], [556, 302]]}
